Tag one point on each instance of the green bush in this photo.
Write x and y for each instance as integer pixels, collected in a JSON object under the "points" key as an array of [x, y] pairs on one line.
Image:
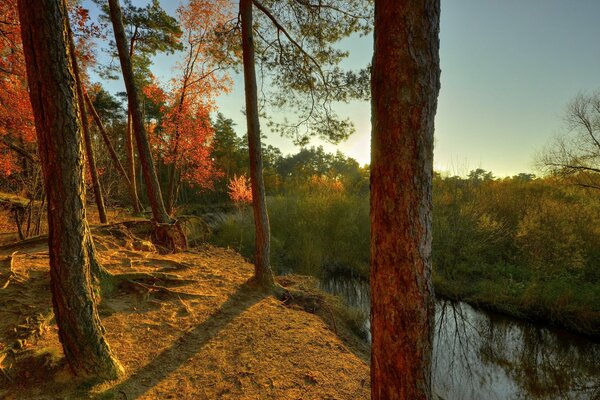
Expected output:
{"points": [[312, 231]]}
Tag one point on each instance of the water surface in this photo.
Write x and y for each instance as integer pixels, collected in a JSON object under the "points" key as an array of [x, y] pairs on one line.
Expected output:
{"points": [[482, 355]]}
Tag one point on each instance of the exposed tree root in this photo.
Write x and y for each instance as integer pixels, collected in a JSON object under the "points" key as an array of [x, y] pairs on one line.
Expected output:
{"points": [[146, 282], [152, 278], [169, 238], [274, 288], [310, 301], [162, 291], [12, 275]]}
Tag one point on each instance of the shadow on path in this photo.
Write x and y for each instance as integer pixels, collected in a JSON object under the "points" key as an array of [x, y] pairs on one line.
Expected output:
{"points": [[187, 345]]}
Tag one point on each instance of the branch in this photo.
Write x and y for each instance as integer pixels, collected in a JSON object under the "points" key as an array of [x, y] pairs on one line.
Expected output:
{"points": [[330, 7], [285, 32], [18, 149], [573, 167], [587, 186]]}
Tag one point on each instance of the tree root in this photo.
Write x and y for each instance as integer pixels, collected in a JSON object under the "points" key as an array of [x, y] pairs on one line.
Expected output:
{"points": [[310, 302], [164, 292], [147, 283], [12, 275], [169, 238], [153, 278]]}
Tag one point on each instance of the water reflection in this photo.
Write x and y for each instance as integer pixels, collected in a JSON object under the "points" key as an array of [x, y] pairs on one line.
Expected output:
{"points": [[480, 355]]}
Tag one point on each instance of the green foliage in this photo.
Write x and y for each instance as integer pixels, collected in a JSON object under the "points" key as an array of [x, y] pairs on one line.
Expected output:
{"points": [[297, 48], [520, 245], [317, 226], [524, 246], [150, 30], [536, 223]]}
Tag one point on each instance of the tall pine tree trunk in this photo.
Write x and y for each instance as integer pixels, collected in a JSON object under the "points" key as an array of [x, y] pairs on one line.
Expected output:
{"points": [[150, 178], [405, 86], [129, 147], [54, 99], [262, 266], [87, 137]]}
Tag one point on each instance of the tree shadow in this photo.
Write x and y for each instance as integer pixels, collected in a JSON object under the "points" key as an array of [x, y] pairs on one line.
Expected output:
{"points": [[189, 344]]}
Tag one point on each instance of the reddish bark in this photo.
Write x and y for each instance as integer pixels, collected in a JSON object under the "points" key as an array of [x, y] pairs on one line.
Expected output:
{"points": [[53, 93], [159, 211], [262, 263], [405, 86]]}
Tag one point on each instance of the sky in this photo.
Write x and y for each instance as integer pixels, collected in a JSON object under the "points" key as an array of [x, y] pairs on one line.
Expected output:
{"points": [[509, 68]]}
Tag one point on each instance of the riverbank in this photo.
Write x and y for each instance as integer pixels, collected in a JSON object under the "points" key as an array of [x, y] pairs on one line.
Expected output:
{"points": [[210, 336], [566, 302], [569, 300]]}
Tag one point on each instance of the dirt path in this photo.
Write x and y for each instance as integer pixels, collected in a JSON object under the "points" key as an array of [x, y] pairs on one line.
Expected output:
{"points": [[223, 340]]}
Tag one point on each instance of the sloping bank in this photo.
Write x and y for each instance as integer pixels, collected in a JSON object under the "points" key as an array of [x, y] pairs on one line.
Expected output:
{"points": [[212, 336]]}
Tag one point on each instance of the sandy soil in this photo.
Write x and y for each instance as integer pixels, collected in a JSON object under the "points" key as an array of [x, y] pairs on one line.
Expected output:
{"points": [[212, 336]]}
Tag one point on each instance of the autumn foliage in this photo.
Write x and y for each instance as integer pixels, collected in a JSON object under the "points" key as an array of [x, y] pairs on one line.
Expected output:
{"points": [[16, 118], [239, 190]]}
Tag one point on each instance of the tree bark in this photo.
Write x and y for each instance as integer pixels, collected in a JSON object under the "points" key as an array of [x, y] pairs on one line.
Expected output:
{"points": [[129, 147], [89, 150], [262, 266], [405, 86], [131, 176], [150, 178], [53, 92], [135, 202]]}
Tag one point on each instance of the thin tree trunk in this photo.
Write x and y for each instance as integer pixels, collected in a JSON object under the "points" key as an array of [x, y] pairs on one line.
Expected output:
{"points": [[113, 154], [405, 86], [29, 216], [87, 138], [262, 266], [130, 150], [53, 92], [38, 223], [18, 214], [172, 197], [151, 180], [20, 150]]}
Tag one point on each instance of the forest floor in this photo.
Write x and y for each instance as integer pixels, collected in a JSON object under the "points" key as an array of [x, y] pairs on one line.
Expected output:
{"points": [[206, 335]]}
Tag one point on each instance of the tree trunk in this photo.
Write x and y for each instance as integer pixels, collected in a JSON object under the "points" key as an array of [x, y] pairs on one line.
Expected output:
{"points": [[129, 147], [262, 266], [131, 177], [113, 154], [405, 86], [87, 138], [54, 99], [151, 180], [171, 197]]}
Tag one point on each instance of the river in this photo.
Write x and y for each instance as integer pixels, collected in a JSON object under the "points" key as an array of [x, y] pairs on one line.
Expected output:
{"points": [[482, 355]]}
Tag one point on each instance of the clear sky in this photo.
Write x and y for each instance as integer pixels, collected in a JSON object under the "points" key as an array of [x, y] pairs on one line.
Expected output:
{"points": [[508, 69]]}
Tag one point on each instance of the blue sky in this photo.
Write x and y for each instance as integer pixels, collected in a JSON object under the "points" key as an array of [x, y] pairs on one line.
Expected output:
{"points": [[509, 67]]}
